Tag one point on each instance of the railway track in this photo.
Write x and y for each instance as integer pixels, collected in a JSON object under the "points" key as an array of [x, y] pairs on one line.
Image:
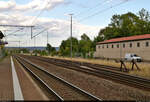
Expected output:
{"points": [[122, 78], [77, 63], [58, 88]]}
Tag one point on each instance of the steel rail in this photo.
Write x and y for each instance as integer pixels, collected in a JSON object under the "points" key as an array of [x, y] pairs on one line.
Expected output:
{"points": [[77, 63], [62, 80], [41, 81]]}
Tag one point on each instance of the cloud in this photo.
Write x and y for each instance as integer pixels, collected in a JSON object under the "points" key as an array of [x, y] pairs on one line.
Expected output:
{"points": [[34, 5], [7, 5], [91, 31]]}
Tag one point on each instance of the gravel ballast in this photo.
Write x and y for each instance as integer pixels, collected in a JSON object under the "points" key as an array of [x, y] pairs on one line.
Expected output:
{"points": [[107, 90]]}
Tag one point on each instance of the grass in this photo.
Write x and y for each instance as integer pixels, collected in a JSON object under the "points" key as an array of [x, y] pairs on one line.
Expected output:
{"points": [[144, 72]]}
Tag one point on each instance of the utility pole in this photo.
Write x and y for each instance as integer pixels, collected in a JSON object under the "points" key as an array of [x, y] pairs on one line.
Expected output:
{"points": [[71, 35], [34, 42], [47, 37], [31, 33], [19, 46]]}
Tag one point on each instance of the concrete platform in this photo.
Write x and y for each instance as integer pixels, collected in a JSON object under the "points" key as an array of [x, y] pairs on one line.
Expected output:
{"points": [[6, 82], [17, 84]]}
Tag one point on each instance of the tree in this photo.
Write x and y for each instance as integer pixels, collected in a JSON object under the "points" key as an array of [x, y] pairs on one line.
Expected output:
{"points": [[144, 21], [36, 51], [128, 24], [65, 47], [25, 50], [50, 49], [97, 39], [85, 37], [144, 15], [43, 53], [85, 45]]}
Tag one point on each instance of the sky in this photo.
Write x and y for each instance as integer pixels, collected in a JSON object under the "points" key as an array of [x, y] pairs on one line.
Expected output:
{"points": [[52, 17]]}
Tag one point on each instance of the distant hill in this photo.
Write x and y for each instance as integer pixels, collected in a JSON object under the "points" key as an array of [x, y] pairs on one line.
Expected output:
{"points": [[32, 48]]}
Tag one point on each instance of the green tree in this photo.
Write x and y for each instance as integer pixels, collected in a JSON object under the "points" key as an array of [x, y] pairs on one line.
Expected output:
{"points": [[144, 21], [36, 51], [66, 46], [25, 50], [128, 24], [51, 50], [43, 53], [144, 15], [85, 45], [97, 39]]}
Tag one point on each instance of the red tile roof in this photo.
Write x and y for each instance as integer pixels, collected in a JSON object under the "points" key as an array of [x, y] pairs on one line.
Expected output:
{"points": [[136, 37]]}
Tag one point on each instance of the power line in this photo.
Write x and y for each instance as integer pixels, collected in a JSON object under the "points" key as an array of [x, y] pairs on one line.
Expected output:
{"points": [[91, 8], [4, 25], [40, 32], [40, 12], [12, 33], [101, 11], [38, 16]]}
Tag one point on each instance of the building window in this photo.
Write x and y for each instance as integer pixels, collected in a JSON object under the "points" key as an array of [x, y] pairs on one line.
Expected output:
{"points": [[123, 45], [99, 46], [112, 46], [107, 46], [138, 44], [130, 45], [147, 44], [117, 45]]}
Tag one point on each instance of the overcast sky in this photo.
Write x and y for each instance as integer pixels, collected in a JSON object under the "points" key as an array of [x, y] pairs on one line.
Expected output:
{"points": [[89, 17]]}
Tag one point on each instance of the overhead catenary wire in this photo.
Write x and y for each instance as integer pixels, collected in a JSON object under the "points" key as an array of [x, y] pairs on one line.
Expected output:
{"points": [[12, 33], [38, 16], [103, 10], [93, 7], [40, 32], [40, 13]]}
